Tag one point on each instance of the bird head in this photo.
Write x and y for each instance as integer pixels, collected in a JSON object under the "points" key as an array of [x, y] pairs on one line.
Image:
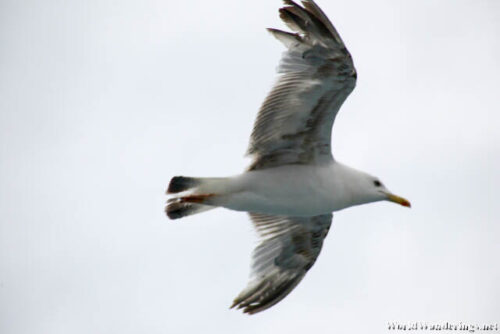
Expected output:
{"points": [[380, 193]]}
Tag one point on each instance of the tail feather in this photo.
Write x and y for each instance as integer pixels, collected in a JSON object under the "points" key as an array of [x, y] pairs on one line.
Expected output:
{"points": [[177, 209], [195, 198], [182, 183]]}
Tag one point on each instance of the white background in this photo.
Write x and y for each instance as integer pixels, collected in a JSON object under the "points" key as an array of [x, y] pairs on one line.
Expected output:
{"points": [[102, 102]]}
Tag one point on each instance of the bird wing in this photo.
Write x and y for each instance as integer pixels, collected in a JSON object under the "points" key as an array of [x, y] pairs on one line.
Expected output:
{"points": [[316, 74], [289, 248]]}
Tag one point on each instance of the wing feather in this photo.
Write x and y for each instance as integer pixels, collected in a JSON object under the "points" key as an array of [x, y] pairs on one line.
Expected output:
{"points": [[289, 248], [316, 75]]}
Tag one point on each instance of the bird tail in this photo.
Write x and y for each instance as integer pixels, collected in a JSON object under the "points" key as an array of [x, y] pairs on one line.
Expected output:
{"points": [[193, 195]]}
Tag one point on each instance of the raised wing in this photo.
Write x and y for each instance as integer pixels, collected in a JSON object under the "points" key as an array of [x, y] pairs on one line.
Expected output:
{"points": [[289, 248], [295, 121]]}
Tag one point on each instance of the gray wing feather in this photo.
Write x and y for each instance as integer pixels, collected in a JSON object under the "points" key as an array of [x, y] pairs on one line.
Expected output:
{"points": [[316, 75], [289, 248]]}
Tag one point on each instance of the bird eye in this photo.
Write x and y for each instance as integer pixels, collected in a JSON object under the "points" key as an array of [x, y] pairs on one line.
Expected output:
{"points": [[377, 183]]}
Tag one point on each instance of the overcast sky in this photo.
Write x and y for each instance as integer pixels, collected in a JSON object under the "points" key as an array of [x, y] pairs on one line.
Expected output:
{"points": [[102, 102]]}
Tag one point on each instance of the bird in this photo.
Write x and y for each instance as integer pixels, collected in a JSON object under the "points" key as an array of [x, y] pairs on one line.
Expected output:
{"points": [[293, 183]]}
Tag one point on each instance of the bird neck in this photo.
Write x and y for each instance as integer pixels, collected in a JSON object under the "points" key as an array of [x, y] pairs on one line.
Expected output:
{"points": [[352, 183]]}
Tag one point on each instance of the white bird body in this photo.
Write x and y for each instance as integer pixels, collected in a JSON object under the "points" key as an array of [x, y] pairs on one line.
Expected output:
{"points": [[293, 184], [290, 190]]}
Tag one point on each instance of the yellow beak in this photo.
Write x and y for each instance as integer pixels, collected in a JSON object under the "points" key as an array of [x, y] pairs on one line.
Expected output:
{"points": [[400, 200]]}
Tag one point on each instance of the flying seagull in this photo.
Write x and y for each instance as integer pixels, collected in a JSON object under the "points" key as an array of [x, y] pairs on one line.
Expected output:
{"points": [[293, 184]]}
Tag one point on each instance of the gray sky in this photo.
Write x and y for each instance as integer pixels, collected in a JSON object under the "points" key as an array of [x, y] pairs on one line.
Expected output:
{"points": [[102, 102]]}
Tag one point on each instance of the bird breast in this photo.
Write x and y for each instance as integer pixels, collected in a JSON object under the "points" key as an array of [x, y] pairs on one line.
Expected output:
{"points": [[293, 190]]}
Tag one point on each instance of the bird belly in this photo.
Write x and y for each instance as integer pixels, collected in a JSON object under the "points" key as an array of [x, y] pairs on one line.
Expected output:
{"points": [[288, 190]]}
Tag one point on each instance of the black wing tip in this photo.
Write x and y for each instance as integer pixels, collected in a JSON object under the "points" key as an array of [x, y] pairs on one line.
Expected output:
{"points": [[247, 309], [309, 19], [264, 295]]}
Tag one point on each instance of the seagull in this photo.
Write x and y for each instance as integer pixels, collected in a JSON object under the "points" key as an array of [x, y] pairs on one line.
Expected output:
{"points": [[293, 183]]}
